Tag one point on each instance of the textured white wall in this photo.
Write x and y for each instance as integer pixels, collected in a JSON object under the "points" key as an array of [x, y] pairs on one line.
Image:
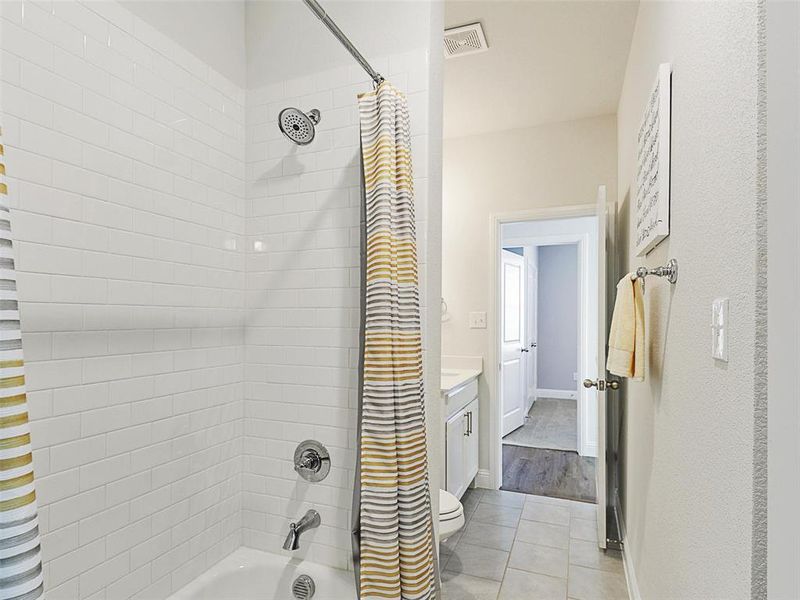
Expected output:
{"points": [[690, 425], [125, 163], [783, 135], [552, 165]]}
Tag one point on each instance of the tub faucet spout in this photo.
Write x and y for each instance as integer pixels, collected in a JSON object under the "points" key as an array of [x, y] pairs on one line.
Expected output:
{"points": [[310, 520]]}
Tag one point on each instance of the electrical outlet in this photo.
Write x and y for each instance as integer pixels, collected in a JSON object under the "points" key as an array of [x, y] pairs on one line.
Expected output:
{"points": [[477, 320]]}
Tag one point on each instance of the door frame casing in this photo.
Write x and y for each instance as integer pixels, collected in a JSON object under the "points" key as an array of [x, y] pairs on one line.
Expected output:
{"points": [[493, 478]]}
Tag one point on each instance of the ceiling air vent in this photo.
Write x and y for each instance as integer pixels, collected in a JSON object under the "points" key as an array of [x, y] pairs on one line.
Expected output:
{"points": [[460, 41]]}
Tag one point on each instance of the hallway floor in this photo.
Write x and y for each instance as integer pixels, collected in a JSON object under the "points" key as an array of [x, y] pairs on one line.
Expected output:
{"points": [[551, 423], [521, 547], [553, 473]]}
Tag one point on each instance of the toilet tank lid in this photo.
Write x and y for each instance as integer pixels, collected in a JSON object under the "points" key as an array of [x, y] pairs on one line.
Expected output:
{"points": [[448, 503]]}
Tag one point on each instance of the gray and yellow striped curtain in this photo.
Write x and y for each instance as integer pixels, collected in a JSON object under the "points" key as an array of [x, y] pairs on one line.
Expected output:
{"points": [[393, 525], [20, 553]]}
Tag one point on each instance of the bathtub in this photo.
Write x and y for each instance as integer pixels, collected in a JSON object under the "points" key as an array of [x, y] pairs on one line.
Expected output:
{"points": [[249, 574]]}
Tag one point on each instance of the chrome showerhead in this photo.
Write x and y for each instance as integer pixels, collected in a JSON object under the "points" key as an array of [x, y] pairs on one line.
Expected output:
{"points": [[297, 125]]}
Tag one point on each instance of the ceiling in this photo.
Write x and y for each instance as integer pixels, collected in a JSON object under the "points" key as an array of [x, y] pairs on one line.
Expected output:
{"points": [[548, 61], [214, 33], [286, 41]]}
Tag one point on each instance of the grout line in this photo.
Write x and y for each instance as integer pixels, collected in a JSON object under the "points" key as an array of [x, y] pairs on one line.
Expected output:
{"points": [[569, 545]]}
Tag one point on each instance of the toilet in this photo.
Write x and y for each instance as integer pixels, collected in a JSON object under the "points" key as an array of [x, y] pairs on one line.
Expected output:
{"points": [[451, 514]]}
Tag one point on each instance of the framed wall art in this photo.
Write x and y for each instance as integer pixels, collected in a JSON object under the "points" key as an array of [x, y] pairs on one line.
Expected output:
{"points": [[653, 165]]}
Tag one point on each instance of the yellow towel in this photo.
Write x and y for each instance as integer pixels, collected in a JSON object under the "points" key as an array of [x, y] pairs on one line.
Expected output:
{"points": [[626, 338]]}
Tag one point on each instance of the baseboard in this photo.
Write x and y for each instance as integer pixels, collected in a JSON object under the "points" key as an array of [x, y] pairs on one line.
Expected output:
{"points": [[558, 394], [483, 479], [627, 559], [589, 450]]}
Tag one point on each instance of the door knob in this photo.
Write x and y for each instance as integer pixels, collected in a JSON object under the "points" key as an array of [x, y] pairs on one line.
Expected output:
{"points": [[601, 384]]}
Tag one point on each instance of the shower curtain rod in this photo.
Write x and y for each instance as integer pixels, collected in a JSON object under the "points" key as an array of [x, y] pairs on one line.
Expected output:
{"points": [[337, 33]]}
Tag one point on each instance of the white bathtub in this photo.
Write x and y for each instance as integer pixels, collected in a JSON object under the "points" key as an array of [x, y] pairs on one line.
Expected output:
{"points": [[249, 574]]}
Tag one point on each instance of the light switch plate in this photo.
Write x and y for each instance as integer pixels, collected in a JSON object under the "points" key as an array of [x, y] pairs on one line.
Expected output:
{"points": [[719, 329], [477, 320]]}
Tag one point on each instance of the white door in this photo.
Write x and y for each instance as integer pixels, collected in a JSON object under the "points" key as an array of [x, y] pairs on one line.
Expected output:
{"points": [[606, 219], [531, 295], [512, 368], [455, 430]]}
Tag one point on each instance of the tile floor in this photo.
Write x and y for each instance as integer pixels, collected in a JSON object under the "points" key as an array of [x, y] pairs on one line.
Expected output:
{"points": [[523, 547]]}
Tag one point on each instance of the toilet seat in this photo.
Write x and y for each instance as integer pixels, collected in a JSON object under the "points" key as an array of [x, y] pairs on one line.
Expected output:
{"points": [[448, 505], [451, 514]]}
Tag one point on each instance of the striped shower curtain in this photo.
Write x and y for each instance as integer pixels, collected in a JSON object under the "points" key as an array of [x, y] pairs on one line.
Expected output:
{"points": [[20, 554], [393, 544]]}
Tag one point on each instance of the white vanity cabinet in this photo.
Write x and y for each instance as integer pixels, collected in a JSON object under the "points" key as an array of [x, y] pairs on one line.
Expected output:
{"points": [[455, 432], [461, 437], [471, 442]]}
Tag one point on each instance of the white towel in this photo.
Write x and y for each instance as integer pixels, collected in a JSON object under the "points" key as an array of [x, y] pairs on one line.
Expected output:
{"points": [[626, 338]]}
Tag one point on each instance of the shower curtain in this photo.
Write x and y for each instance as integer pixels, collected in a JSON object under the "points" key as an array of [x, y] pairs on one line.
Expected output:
{"points": [[20, 554], [393, 545]]}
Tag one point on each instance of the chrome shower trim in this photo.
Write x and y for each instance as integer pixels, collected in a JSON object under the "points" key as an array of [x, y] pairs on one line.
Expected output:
{"points": [[303, 588], [312, 461], [310, 520], [299, 127]]}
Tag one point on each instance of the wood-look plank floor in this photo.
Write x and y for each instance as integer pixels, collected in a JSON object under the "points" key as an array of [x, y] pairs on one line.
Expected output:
{"points": [[553, 473]]}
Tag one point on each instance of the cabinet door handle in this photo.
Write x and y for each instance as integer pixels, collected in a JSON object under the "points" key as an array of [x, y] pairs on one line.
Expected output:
{"points": [[466, 422], [469, 423]]}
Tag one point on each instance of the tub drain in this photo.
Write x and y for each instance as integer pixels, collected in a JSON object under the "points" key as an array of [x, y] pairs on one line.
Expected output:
{"points": [[303, 587]]}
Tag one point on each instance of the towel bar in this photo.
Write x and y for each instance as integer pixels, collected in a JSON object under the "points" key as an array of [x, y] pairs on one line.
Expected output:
{"points": [[670, 271]]}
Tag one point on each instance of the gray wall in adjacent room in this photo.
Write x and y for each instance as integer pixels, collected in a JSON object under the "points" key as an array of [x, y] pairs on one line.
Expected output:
{"points": [[557, 336]]}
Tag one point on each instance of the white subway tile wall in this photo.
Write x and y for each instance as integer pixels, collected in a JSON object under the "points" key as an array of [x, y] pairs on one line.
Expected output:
{"points": [[303, 273], [189, 295], [126, 167]]}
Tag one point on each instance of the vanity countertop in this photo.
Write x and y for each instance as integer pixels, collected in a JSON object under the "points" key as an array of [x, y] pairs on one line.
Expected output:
{"points": [[455, 378], [458, 370]]}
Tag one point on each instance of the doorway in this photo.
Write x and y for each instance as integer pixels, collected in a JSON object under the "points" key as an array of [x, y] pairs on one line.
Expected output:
{"points": [[550, 356], [547, 339]]}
